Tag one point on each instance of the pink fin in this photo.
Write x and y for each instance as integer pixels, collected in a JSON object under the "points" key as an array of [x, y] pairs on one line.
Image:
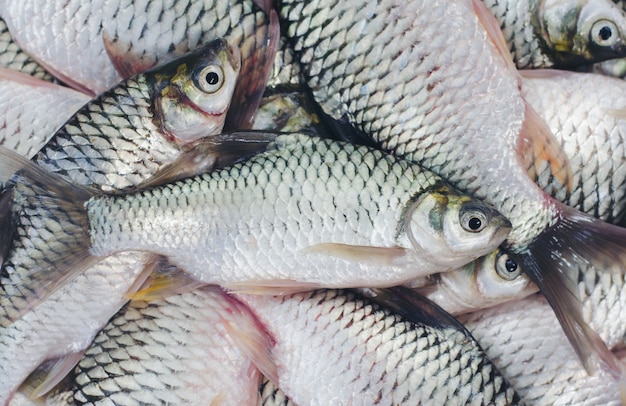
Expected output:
{"points": [[538, 146], [25, 79], [494, 32], [126, 63], [251, 337], [359, 253], [543, 73], [257, 57]]}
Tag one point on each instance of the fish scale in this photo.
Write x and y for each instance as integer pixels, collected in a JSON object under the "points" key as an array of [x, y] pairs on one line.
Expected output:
{"points": [[13, 57]]}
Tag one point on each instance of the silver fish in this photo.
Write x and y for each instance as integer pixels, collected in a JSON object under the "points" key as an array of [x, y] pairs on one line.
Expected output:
{"points": [[116, 141], [14, 58], [334, 347], [287, 216], [561, 33], [95, 45], [397, 75], [32, 110]]}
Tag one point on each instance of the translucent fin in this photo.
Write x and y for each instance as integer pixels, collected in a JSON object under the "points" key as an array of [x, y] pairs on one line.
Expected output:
{"points": [[68, 80], [252, 338], [270, 288], [49, 375], [257, 53], [164, 280], [539, 147], [542, 73], [360, 253], [25, 79], [575, 238], [6, 223], [494, 32], [212, 153], [126, 63], [64, 254], [619, 114], [413, 307]]}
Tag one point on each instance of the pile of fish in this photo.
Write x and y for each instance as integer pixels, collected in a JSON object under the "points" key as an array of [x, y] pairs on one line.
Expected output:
{"points": [[312, 202]]}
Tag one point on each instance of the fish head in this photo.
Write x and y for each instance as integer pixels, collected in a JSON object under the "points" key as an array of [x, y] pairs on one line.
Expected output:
{"points": [[582, 32], [452, 228], [193, 93], [490, 280]]}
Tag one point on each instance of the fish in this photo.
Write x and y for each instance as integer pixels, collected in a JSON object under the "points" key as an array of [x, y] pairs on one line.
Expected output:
{"points": [[591, 131], [14, 58], [173, 350], [560, 34], [95, 45], [32, 110], [114, 142], [524, 341], [288, 216], [336, 347], [271, 395], [394, 72], [486, 282]]}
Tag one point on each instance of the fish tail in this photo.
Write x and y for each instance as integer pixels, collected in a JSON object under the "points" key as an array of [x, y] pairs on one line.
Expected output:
{"points": [[49, 234], [576, 240]]}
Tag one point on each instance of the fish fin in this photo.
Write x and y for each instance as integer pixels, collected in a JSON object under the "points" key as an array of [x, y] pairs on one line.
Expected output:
{"points": [[257, 54], [542, 73], [67, 252], [576, 239], [412, 306], [69, 81], [210, 154], [278, 287], [494, 32], [539, 147], [164, 280], [618, 114], [265, 5], [251, 337], [6, 223], [25, 79], [359, 253], [125, 62], [49, 375]]}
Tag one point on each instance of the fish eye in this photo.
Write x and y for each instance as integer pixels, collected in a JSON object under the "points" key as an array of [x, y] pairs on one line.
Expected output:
{"points": [[473, 220], [507, 267], [210, 78], [604, 33]]}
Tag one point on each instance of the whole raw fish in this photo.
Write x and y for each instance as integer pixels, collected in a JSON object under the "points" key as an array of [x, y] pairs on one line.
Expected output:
{"points": [[32, 110], [93, 45], [561, 33], [395, 72], [14, 58], [288, 217], [333, 347], [115, 141]]}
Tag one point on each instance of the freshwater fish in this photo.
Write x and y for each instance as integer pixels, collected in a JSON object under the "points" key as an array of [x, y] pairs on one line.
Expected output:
{"points": [[335, 347], [393, 71], [114, 142], [175, 350], [32, 110], [288, 217], [93, 46], [561, 33], [14, 58]]}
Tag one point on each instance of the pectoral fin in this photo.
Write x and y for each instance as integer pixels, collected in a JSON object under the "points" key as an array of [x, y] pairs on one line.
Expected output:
{"points": [[126, 63], [360, 253], [163, 280], [49, 375]]}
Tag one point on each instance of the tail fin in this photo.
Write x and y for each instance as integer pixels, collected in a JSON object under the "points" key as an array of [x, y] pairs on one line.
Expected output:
{"points": [[51, 240], [576, 238]]}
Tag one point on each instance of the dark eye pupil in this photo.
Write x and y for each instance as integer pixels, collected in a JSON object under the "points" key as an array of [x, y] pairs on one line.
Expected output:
{"points": [[212, 78], [475, 223], [510, 265], [605, 33]]}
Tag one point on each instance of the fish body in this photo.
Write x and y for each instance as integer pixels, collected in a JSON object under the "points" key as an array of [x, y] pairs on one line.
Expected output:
{"points": [[336, 347], [560, 33], [112, 143], [14, 58], [305, 206], [462, 115], [172, 350], [33, 110]]}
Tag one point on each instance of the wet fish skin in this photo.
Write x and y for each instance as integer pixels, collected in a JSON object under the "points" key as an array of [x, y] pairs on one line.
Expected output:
{"points": [[32, 111], [172, 350], [560, 33], [355, 352], [13, 57], [112, 143], [525, 343]]}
